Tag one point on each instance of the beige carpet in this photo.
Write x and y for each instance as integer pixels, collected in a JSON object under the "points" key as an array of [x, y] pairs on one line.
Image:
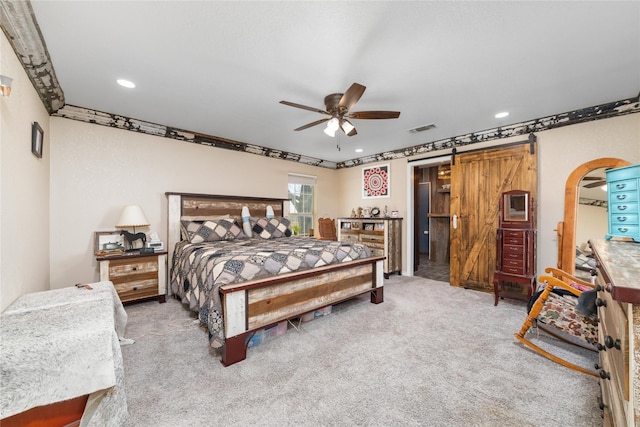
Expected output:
{"points": [[430, 355]]}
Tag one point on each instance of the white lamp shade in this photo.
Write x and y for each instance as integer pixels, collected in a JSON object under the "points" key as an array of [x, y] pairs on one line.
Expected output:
{"points": [[347, 126], [132, 216], [330, 132]]}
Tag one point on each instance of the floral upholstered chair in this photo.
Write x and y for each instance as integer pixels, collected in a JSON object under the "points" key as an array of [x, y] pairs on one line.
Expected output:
{"points": [[565, 308]]}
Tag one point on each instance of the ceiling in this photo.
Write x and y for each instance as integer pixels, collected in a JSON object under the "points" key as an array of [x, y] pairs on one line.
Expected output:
{"points": [[220, 68]]}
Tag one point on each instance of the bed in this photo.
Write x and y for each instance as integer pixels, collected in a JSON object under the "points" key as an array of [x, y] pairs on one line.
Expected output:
{"points": [[223, 280]]}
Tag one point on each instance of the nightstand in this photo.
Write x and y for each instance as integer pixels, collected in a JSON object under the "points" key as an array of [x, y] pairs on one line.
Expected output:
{"points": [[136, 276]]}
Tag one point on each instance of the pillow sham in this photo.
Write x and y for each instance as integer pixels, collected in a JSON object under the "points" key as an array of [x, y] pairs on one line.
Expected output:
{"points": [[270, 228], [212, 231]]}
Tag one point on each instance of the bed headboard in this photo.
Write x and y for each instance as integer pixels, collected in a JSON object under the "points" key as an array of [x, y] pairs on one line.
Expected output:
{"points": [[192, 204]]}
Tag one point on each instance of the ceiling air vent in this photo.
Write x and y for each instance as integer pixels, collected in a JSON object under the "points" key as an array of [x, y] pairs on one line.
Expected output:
{"points": [[422, 128]]}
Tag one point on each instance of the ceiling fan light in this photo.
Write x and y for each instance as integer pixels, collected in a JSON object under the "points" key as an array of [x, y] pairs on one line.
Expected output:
{"points": [[333, 124], [347, 126], [330, 132]]}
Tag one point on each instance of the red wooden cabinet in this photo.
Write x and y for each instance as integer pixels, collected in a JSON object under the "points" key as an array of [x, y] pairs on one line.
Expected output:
{"points": [[515, 246]]}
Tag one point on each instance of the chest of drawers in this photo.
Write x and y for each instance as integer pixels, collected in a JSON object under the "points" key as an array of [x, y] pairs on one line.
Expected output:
{"points": [[515, 262], [617, 264], [136, 276], [382, 236], [623, 186]]}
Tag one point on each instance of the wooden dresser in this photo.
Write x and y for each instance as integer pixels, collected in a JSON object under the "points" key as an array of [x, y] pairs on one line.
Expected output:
{"points": [[136, 276], [515, 246], [618, 285], [382, 235]]}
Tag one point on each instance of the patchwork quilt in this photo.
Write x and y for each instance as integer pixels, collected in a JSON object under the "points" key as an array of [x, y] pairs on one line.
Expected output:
{"points": [[198, 269]]}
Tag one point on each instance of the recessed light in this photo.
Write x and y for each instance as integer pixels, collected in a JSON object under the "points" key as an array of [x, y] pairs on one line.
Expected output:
{"points": [[358, 150], [502, 115], [126, 83]]}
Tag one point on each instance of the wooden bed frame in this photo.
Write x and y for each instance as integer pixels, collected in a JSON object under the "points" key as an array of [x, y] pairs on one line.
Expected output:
{"points": [[253, 305]]}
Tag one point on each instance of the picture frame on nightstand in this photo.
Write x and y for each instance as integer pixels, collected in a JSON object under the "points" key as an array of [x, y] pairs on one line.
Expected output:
{"points": [[107, 241]]}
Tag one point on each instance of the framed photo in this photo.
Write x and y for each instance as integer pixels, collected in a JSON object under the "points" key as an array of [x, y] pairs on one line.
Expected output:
{"points": [[376, 182], [37, 139], [380, 226], [346, 225], [368, 227], [108, 241]]}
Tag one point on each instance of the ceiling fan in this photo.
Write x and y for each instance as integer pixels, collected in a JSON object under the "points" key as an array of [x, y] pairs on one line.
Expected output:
{"points": [[337, 106], [596, 182]]}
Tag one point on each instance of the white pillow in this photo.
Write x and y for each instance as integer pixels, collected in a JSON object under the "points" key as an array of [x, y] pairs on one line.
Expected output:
{"points": [[246, 223], [270, 213]]}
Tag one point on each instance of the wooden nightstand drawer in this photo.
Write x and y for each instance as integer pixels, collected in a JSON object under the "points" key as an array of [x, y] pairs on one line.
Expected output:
{"points": [[137, 289], [136, 276], [124, 268]]}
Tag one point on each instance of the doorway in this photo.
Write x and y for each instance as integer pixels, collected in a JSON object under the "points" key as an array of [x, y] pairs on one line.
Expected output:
{"points": [[429, 229]]}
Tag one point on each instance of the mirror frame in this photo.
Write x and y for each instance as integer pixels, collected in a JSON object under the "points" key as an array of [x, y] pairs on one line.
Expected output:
{"points": [[567, 229]]}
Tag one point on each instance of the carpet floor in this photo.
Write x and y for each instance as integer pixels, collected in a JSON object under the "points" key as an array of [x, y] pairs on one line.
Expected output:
{"points": [[430, 355]]}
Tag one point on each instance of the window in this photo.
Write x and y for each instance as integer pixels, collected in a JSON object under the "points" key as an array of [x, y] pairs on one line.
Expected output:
{"points": [[301, 202]]}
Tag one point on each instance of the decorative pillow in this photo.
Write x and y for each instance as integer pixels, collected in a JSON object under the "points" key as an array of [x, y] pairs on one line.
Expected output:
{"points": [[212, 231], [246, 221], [270, 228], [270, 213]]}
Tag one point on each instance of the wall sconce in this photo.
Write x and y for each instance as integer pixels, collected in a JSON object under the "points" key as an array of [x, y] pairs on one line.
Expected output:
{"points": [[5, 85], [444, 172]]}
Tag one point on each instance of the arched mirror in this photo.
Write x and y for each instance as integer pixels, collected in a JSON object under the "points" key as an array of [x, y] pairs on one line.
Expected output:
{"points": [[579, 178]]}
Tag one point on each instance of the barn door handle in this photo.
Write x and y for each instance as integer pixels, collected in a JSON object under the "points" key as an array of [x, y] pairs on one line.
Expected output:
{"points": [[455, 221]]}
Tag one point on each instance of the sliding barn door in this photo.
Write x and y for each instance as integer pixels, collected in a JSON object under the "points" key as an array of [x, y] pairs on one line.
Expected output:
{"points": [[477, 181]]}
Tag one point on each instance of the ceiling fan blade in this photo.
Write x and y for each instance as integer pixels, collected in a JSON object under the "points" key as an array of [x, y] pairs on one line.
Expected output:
{"points": [[308, 125], [353, 132], [351, 96], [369, 115], [596, 184], [304, 107]]}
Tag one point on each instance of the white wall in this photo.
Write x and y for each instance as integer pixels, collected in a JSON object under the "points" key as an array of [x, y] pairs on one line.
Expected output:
{"points": [[592, 223], [96, 170], [560, 151], [24, 186]]}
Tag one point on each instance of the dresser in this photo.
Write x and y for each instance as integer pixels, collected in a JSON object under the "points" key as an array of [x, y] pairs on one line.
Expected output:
{"points": [[136, 276], [623, 186], [618, 302], [515, 247], [383, 236]]}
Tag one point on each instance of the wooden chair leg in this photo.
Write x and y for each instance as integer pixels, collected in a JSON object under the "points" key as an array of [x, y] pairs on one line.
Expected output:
{"points": [[533, 314], [550, 356]]}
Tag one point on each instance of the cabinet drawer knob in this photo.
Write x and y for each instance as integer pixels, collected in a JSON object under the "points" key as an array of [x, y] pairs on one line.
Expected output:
{"points": [[621, 196], [620, 186], [604, 374], [611, 343], [135, 288], [622, 218]]}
